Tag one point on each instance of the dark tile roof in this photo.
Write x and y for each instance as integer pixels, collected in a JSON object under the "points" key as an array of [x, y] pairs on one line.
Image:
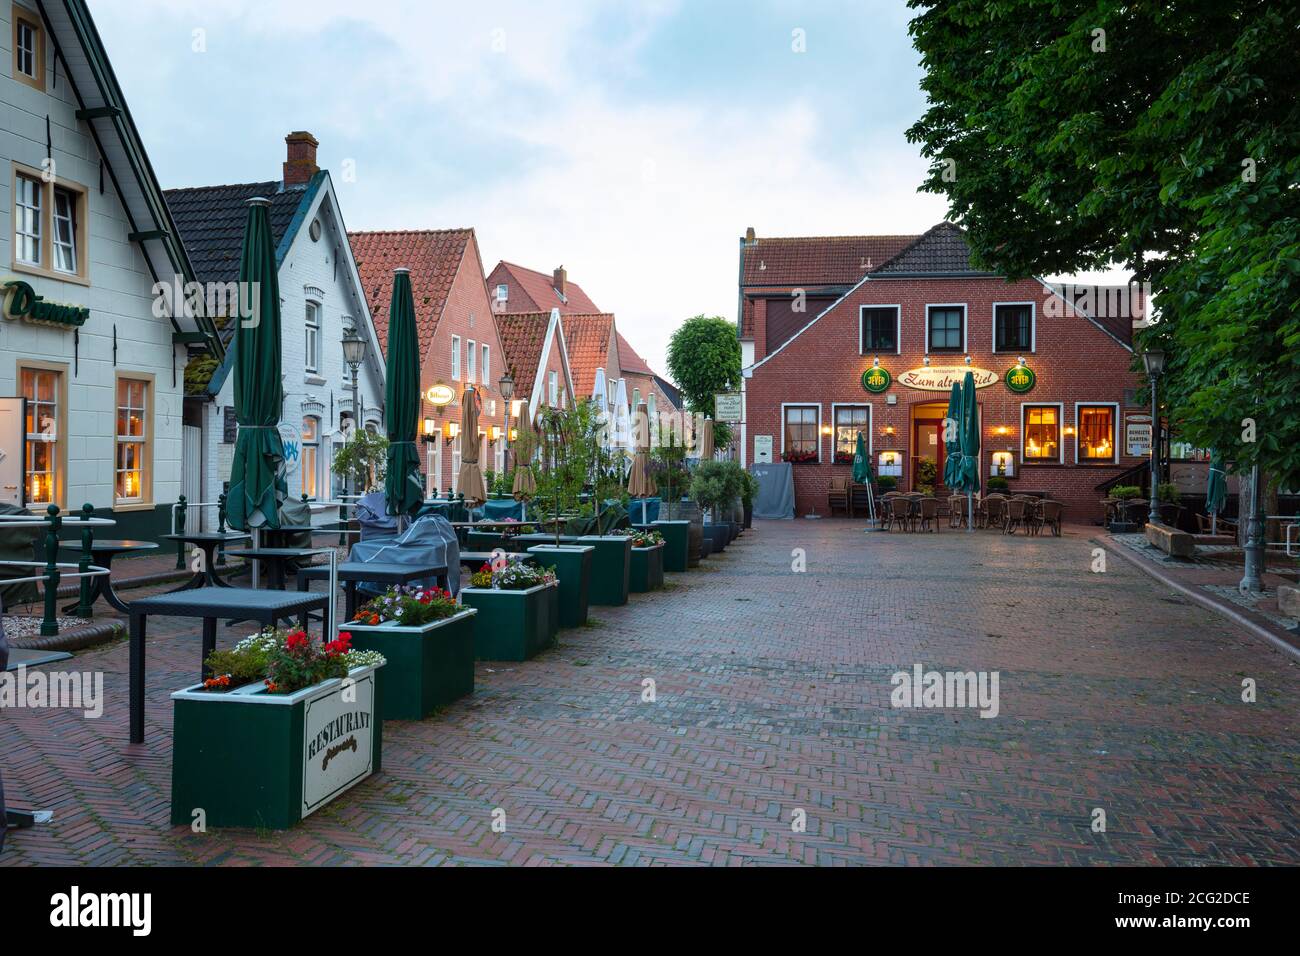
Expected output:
{"points": [[433, 256], [940, 249], [817, 260], [672, 391], [211, 222]]}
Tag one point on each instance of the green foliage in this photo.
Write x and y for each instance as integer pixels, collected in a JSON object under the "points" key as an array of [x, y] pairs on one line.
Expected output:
{"points": [[362, 460], [570, 452], [716, 483], [1125, 492], [1168, 491], [749, 490], [926, 473], [998, 483], [1175, 151], [886, 483], [704, 359], [668, 467]]}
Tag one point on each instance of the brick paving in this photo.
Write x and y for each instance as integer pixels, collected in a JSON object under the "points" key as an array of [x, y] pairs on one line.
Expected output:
{"points": [[773, 694]]}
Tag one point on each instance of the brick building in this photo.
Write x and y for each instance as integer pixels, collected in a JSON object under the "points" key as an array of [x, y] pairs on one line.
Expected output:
{"points": [[457, 334], [538, 360], [842, 335]]}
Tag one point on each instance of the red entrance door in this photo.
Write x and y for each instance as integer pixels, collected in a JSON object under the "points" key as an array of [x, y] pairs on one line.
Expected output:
{"points": [[927, 446]]}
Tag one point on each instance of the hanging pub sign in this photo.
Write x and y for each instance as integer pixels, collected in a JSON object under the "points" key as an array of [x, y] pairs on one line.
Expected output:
{"points": [[22, 302], [940, 378], [1020, 379], [876, 380], [440, 395], [727, 407]]}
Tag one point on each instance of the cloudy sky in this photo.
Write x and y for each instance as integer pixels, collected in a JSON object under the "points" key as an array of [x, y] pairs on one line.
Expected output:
{"points": [[632, 141]]}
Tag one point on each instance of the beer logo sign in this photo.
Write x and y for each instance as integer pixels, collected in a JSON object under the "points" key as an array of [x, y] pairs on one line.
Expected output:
{"points": [[440, 395], [1020, 379], [876, 380]]}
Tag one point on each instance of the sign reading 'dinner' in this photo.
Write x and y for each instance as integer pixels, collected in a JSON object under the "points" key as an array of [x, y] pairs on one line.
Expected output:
{"points": [[22, 302], [939, 378], [338, 741]]}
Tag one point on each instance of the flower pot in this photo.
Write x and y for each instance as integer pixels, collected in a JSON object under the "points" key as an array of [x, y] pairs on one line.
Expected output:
{"points": [[646, 572], [431, 665], [512, 625], [572, 566], [749, 516], [719, 535], [247, 758], [690, 511], [677, 543], [609, 568], [706, 547], [484, 541]]}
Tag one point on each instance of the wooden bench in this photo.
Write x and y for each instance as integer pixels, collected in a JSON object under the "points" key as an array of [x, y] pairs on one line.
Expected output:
{"points": [[1175, 543]]}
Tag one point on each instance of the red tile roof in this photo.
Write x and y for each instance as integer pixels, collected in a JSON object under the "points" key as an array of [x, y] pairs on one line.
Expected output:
{"points": [[523, 336], [587, 339], [539, 287], [628, 360], [433, 256], [818, 260]]}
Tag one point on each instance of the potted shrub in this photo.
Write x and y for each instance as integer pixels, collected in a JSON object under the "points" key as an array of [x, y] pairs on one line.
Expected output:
{"points": [[646, 568], [283, 726], [886, 484], [998, 484], [518, 610], [428, 638], [926, 474], [710, 487], [748, 492], [682, 536]]}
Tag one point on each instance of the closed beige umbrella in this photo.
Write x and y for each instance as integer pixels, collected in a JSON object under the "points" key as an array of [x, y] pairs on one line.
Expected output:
{"points": [[525, 446], [639, 482], [706, 440], [470, 479]]}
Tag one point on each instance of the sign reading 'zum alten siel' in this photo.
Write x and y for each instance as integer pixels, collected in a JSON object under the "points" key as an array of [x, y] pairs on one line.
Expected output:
{"points": [[939, 378]]}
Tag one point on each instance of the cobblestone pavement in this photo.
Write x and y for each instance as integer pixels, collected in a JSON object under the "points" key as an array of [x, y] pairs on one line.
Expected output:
{"points": [[773, 695]]}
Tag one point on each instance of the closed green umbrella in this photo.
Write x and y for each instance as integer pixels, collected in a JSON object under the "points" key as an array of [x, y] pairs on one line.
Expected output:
{"points": [[1216, 491], [951, 440], [861, 463], [257, 485], [967, 472], [403, 490]]}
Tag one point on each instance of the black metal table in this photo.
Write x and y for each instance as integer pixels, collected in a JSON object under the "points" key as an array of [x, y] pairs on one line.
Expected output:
{"points": [[210, 603], [208, 541], [277, 560], [352, 572], [101, 555]]}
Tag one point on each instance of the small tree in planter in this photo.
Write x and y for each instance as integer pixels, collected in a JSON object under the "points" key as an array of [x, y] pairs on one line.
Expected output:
{"points": [[518, 609], [283, 726], [429, 639], [362, 461], [564, 452], [712, 484]]}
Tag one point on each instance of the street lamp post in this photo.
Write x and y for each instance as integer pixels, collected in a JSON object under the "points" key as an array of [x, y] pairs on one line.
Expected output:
{"points": [[1154, 360], [354, 351], [506, 386]]}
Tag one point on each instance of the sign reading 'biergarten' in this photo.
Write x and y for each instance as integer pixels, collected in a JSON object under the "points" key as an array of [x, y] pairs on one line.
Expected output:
{"points": [[939, 378]]}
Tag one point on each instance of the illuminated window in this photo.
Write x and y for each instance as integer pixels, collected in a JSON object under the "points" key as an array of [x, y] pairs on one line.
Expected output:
{"points": [[802, 442], [1097, 433], [132, 439], [41, 389], [1042, 433], [850, 420], [310, 457]]}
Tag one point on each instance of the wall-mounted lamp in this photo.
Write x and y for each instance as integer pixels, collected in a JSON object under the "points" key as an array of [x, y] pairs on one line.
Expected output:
{"points": [[514, 434], [968, 360], [889, 429], [1002, 430], [926, 360], [1069, 429], [449, 431], [495, 432], [430, 431], [876, 362], [826, 429]]}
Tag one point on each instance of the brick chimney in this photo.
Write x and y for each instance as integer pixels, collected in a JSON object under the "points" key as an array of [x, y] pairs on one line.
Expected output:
{"points": [[300, 163], [561, 282], [749, 236]]}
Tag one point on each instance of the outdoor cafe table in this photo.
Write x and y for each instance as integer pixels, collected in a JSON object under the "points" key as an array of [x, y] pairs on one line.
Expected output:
{"points": [[102, 553], [208, 541], [208, 603], [351, 572], [276, 558]]}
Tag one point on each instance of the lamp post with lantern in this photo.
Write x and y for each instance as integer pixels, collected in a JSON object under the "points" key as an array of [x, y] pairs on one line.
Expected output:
{"points": [[506, 386], [1154, 362], [354, 352]]}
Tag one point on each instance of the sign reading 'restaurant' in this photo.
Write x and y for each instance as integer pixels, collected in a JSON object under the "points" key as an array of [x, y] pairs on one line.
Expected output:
{"points": [[338, 742], [939, 378]]}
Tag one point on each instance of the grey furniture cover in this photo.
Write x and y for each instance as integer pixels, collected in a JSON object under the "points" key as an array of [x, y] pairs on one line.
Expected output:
{"points": [[430, 540], [775, 498], [372, 514]]}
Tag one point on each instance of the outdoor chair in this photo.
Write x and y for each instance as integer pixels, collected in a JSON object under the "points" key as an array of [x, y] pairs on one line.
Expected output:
{"points": [[884, 510], [929, 514], [1034, 516], [1223, 525], [838, 497], [956, 511], [1015, 514], [1050, 515], [900, 509], [995, 511]]}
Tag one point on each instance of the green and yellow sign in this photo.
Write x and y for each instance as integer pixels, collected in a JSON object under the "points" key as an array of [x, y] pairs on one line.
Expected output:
{"points": [[22, 302], [876, 380], [1020, 379]]}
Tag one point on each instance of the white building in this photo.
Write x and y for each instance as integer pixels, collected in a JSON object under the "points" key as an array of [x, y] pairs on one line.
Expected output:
{"points": [[321, 297], [86, 227]]}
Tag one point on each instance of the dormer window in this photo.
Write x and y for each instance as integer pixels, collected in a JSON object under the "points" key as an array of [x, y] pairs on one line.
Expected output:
{"points": [[503, 293]]}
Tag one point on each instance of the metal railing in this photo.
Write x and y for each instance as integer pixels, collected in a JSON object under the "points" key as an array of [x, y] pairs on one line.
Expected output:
{"points": [[52, 567]]}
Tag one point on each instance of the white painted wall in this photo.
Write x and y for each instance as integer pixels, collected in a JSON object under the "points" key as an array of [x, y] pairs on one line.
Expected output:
{"points": [[119, 295]]}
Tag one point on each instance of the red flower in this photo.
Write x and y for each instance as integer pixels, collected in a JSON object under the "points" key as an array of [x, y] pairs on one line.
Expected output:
{"points": [[297, 640], [341, 645]]}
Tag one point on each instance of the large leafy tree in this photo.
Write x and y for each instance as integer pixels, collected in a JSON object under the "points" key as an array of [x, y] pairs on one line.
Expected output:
{"points": [[1163, 136], [704, 359]]}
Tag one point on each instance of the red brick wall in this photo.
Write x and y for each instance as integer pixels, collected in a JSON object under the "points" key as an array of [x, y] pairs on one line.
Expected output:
{"points": [[1074, 362], [555, 363]]}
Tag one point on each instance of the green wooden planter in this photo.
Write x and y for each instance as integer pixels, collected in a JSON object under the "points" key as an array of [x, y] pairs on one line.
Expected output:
{"points": [[677, 543], [512, 625], [247, 758], [646, 572], [609, 568], [428, 666], [484, 541], [572, 565]]}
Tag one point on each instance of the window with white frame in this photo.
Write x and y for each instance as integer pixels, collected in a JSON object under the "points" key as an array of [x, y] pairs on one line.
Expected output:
{"points": [[801, 439], [850, 421], [65, 230], [41, 388], [879, 329], [132, 439], [313, 339], [310, 466], [471, 361], [1096, 431], [27, 220], [455, 357], [503, 292], [1013, 327], [485, 372], [1041, 430], [946, 328]]}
